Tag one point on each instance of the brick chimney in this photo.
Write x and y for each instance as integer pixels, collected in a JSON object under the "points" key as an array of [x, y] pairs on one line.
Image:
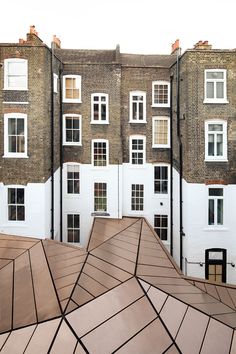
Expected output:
{"points": [[202, 45], [175, 48], [32, 37], [56, 43]]}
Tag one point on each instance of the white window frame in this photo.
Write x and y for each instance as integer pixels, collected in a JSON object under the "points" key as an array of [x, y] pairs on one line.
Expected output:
{"points": [[224, 157], [55, 83], [24, 204], [103, 210], [74, 165], [107, 152], [137, 198], [215, 225], [99, 102], [131, 151], [158, 83], [8, 154], [78, 86], [73, 228], [24, 87], [131, 95], [161, 194], [76, 116], [224, 80], [159, 118], [162, 227]]}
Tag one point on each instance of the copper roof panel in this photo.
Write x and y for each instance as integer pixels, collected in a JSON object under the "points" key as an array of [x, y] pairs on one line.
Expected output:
{"points": [[104, 307], [144, 270], [157, 298], [180, 289], [233, 347], [214, 308], [46, 301], [196, 298], [211, 290], [225, 297], [65, 341], [66, 280], [115, 260], [218, 339], [91, 285], [192, 331], [120, 328], [3, 338], [120, 252], [81, 296], [4, 262], [42, 337], [6, 281], [24, 304], [227, 318], [172, 350], [18, 340], [103, 278], [172, 314], [79, 349], [154, 338]]}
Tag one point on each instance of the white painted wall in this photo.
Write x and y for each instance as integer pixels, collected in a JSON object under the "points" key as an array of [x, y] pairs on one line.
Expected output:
{"points": [[37, 210], [83, 203], [199, 236], [56, 205], [176, 224], [153, 203]]}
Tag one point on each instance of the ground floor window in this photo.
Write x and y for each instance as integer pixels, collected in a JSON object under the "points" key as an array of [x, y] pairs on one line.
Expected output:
{"points": [[215, 265], [100, 196], [137, 196], [16, 204], [73, 228], [161, 226]]}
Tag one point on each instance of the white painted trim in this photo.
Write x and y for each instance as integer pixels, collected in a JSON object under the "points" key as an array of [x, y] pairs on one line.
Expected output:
{"points": [[224, 157], [107, 152], [157, 118], [78, 84], [137, 93], [8, 154], [215, 226], [140, 137], [72, 195], [215, 100], [64, 129], [154, 83], [55, 83], [15, 60], [15, 102], [99, 121]]}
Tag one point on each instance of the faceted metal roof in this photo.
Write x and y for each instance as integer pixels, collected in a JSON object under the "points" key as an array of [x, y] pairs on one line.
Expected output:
{"points": [[123, 294]]}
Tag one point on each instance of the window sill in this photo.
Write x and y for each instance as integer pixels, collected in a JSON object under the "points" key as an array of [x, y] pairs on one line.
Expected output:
{"points": [[216, 228], [15, 102], [72, 144], [94, 122], [15, 156], [71, 101], [137, 121], [216, 160], [160, 105], [216, 101], [161, 146], [15, 89]]}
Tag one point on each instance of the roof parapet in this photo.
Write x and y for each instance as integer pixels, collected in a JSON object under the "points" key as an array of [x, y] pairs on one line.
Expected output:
{"points": [[203, 45]]}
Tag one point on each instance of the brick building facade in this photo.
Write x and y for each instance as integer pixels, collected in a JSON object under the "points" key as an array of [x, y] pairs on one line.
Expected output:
{"points": [[100, 133]]}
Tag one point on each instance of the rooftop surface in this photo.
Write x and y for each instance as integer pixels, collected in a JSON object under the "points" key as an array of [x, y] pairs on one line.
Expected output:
{"points": [[122, 294]]}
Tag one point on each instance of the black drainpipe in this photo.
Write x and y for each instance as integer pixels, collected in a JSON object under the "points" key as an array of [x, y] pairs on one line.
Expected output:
{"points": [[61, 156], [171, 166], [52, 148], [180, 167]]}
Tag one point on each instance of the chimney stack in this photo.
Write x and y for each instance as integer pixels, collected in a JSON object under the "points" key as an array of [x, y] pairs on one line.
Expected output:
{"points": [[56, 43], [202, 45], [175, 48]]}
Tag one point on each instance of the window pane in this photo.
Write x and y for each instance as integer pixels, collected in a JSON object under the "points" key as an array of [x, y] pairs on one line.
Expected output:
{"points": [[20, 213], [215, 75], [68, 123], [69, 136], [20, 196], [70, 235], [76, 186], [216, 192], [70, 186], [11, 196], [76, 221], [211, 212], [215, 127], [210, 90], [11, 212], [12, 144], [76, 235], [219, 90], [70, 221], [20, 126], [219, 145], [12, 126], [220, 211]]}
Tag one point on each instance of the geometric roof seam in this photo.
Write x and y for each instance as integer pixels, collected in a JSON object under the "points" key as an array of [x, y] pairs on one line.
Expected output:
{"points": [[125, 258], [31, 337], [32, 281], [158, 316], [231, 343], [114, 234], [105, 261], [191, 305], [55, 335], [50, 272], [76, 335], [205, 333], [90, 235], [9, 333], [139, 241], [75, 284]]}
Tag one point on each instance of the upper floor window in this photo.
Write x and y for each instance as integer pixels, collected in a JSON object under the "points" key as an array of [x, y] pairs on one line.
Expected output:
{"points": [[73, 179], [16, 204], [137, 197], [137, 109], [100, 152], [15, 74], [215, 86], [161, 132], [99, 108], [137, 150], [72, 88], [72, 129], [161, 179], [55, 83], [160, 94], [215, 206], [15, 135], [73, 228], [216, 140], [100, 197]]}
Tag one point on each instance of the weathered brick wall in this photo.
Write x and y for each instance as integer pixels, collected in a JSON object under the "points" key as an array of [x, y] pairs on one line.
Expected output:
{"points": [[36, 168], [194, 113], [95, 78], [140, 79]]}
